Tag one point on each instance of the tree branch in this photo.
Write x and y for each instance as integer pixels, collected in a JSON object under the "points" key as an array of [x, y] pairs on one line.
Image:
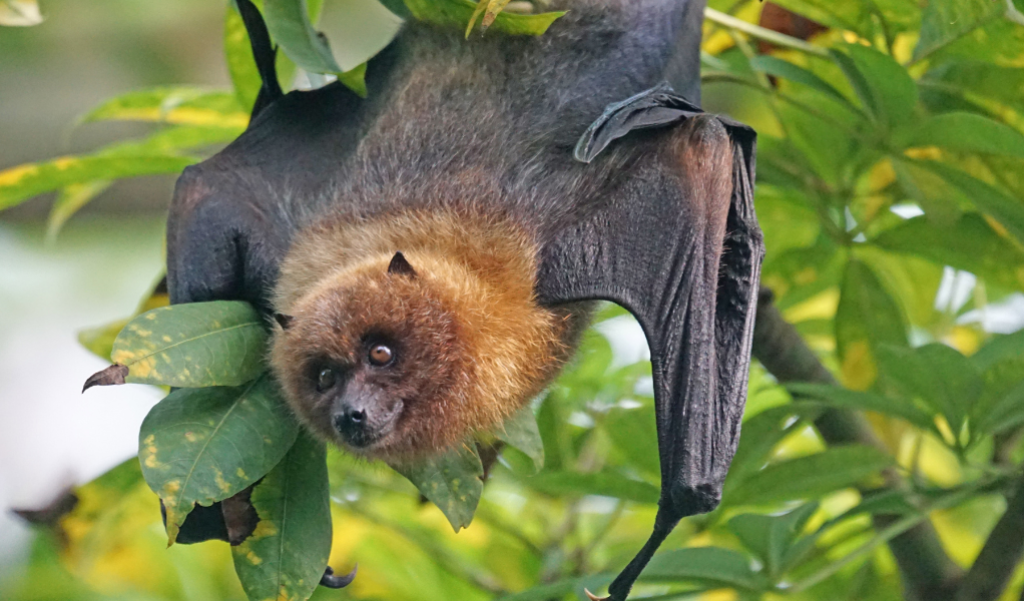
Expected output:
{"points": [[1003, 550], [927, 572]]}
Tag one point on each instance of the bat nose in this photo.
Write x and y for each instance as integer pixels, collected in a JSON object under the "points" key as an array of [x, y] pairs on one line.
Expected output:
{"points": [[355, 416], [353, 424]]}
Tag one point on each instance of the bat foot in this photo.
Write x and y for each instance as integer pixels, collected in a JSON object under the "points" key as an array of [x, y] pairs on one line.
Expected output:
{"points": [[594, 597], [331, 581]]}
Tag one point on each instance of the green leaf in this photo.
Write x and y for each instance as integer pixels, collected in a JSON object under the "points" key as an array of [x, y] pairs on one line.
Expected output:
{"points": [[397, 8], [219, 343], [945, 21], [290, 26], [451, 481], [1005, 413], [174, 140], [841, 15], [841, 398], [605, 484], [241, 64], [968, 132], [771, 538], [758, 436], [355, 80], [170, 140], [203, 445], [1009, 211], [867, 316], [25, 181], [551, 423], [930, 191], [809, 477], [938, 374], [520, 432], [69, 201], [777, 67], [245, 77], [1001, 363], [178, 105], [881, 501], [979, 78], [1000, 348], [883, 85], [969, 244], [20, 13], [712, 565], [457, 13], [290, 23], [635, 435], [288, 552]]}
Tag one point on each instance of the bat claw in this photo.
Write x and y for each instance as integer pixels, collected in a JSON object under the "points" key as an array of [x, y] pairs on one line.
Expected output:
{"points": [[594, 597], [331, 581]]}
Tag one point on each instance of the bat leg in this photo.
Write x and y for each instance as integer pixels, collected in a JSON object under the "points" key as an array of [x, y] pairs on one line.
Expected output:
{"points": [[619, 589]]}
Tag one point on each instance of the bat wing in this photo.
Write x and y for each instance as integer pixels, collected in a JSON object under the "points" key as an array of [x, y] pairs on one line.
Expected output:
{"points": [[232, 216], [678, 245]]}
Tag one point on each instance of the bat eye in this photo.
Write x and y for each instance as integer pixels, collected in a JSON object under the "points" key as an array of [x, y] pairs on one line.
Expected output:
{"points": [[381, 354], [326, 379]]}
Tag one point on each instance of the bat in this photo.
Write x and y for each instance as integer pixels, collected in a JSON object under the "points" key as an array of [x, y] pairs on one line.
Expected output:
{"points": [[500, 184]]}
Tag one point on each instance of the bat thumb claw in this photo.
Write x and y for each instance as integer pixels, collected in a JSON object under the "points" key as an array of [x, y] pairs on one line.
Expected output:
{"points": [[594, 597], [331, 581]]}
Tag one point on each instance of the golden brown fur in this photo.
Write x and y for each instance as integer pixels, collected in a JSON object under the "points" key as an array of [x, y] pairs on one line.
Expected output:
{"points": [[705, 157], [476, 346]]}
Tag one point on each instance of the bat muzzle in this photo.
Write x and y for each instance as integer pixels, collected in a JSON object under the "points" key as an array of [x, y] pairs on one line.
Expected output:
{"points": [[364, 419]]}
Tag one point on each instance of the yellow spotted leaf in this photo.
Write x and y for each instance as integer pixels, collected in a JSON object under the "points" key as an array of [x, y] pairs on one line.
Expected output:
{"points": [[452, 481], [219, 343], [178, 105], [287, 553], [203, 445], [25, 181]]}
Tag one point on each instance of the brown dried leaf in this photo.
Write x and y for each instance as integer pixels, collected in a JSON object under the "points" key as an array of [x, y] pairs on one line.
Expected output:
{"points": [[111, 376]]}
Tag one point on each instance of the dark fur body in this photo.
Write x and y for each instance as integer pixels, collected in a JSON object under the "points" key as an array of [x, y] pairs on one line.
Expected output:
{"points": [[659, 220], [490, 122]]}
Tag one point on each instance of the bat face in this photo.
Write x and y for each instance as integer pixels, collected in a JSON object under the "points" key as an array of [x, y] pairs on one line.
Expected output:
{"points": [[370, 360]]}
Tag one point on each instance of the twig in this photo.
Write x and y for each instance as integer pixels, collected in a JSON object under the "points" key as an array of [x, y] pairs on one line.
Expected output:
{"points": [[760, 33], [999, 556]]}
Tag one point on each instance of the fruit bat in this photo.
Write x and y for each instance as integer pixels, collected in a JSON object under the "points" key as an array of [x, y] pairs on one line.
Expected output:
{"points": [[430, 252]]}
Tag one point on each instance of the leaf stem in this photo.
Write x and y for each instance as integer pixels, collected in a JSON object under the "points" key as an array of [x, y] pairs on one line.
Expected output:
{"points": [[761, 33]]}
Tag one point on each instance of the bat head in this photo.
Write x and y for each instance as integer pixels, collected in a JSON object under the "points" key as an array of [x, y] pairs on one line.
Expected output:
{"points": [[373, 361]]}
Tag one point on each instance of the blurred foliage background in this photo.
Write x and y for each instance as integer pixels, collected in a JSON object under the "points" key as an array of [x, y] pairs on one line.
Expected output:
{"points": [[882, 445]]}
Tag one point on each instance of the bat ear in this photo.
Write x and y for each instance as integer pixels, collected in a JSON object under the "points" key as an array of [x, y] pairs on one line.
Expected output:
{"points": [[401, 266], [285, 321]]}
